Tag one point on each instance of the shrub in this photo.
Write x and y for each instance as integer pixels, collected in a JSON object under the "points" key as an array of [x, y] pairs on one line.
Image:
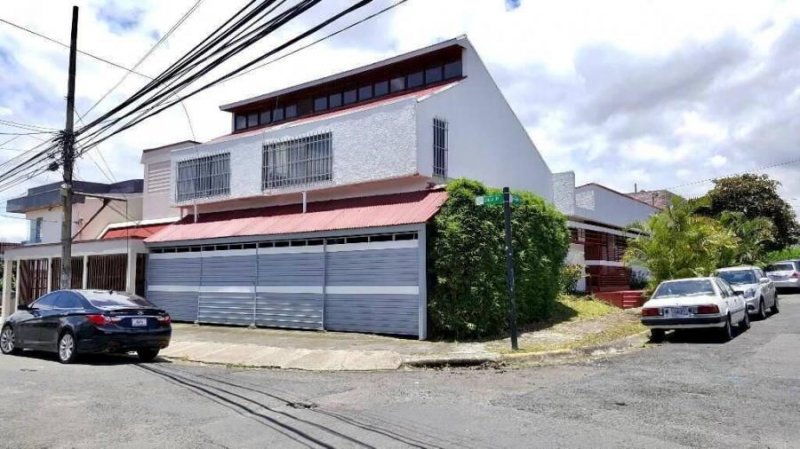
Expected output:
{"points": [[467, 295], [570, 275], [784, 254]]}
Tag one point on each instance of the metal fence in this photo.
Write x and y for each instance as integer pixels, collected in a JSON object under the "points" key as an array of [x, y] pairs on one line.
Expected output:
{"points": [[203, 177], [440, 147], [306, 160]]}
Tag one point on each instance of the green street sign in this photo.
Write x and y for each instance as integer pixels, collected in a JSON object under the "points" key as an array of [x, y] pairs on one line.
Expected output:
{"points": [[495, 200]]}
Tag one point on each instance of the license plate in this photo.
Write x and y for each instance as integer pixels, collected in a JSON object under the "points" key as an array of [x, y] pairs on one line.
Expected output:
{"points": [[138, 322], [677, 311]]}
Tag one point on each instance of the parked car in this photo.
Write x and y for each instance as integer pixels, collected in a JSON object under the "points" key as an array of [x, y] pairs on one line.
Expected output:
{"points": [[695, 303], [785, 274], [72, 322], [759, 291]]}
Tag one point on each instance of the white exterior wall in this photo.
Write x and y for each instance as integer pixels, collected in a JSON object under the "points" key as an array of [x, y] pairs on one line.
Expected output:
{"points": [[602, 205], [115, 212], [487, 142], [51, 223], [575, 256], [156, 202], [368, 145]]}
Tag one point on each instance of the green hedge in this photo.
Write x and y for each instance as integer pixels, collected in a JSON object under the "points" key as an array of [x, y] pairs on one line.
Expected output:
{"points": [[467, 295]]}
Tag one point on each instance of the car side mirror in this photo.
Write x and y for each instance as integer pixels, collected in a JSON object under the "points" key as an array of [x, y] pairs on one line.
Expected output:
{"points": [[23, 307], [764, 280]]}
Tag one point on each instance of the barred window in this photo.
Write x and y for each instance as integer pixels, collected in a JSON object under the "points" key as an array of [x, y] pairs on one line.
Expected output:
{"points": [[440, 147], [203, 177], [296, 162]]}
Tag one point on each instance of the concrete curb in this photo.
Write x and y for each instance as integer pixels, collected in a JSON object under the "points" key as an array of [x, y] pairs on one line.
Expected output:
{"points": [[386, 361]]}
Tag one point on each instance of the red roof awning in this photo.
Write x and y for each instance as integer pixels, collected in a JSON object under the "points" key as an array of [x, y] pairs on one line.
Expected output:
{"points": [[351, 213], [133, 232]]}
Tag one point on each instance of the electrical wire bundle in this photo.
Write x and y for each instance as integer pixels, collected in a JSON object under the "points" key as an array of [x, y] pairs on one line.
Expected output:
{"points": [[256, 20]]}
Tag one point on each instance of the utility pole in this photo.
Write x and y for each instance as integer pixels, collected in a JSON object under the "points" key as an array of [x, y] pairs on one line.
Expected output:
{"points": [[68, 154]]}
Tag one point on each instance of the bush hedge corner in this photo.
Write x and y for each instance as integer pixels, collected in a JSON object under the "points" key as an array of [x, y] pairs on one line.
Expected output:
{"points": [[467, 293]]}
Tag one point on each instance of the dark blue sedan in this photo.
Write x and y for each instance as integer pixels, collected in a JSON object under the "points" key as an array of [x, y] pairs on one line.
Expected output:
{"points": [[72, 322]]}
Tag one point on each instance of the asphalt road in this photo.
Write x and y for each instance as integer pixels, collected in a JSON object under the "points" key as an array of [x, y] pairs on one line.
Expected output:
{"points": [[688, 392]]}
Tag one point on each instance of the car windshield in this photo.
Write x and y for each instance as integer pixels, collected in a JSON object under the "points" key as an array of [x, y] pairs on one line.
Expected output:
{"points": [[738, 277], [781, 267], [694, 287], [116, 300]]}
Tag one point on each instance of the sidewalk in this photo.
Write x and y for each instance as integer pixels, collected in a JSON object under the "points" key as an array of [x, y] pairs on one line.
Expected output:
{"points": [[335, 351]]}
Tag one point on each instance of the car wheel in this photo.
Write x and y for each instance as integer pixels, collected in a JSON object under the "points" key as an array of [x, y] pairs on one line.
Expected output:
{"points": [[745, 323], [762, 311], [67, 348], [657, 335], [774, 309], [726, 333], [7, 344], [147, 355]]}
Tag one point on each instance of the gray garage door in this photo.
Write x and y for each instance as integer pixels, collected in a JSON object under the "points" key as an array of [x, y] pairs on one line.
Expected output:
{"points": [[362, 284]]}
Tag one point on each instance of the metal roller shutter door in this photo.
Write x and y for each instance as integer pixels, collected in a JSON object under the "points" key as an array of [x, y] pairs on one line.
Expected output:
{"points": [[227, 287], [172, 283], [373, 287], [290, 287]]}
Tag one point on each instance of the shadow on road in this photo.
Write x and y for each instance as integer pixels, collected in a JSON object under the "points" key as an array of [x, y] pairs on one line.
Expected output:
{"points": [[91, 359]]}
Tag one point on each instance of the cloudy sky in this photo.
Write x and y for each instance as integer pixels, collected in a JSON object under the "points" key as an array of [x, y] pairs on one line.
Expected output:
{"points": [[666, 94]]}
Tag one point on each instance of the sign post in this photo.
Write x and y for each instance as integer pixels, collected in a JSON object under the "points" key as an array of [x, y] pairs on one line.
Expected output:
{"points": [[507, 200]]}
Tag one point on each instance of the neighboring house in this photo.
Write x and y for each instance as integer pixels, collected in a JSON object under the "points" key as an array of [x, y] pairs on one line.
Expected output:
{"points": [[110, 223], [599, 218], [658, 198], [312, 212]]}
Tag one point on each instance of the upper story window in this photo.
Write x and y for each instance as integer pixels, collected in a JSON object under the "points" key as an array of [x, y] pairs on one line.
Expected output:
{"points": [[306, 160], [203, 177], [365, 87], [35, 235], [440, 148]]}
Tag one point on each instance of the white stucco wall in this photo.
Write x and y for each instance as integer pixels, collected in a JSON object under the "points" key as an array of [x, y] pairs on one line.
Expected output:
{"points": [[156, 203], [368, 145], [51, 223], [575, 256], [487, 142], [605, 206]]}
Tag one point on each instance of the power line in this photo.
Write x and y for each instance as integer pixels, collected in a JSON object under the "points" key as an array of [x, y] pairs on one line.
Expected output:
{"points": [[26, 126], [55, 41], [754, 170]]}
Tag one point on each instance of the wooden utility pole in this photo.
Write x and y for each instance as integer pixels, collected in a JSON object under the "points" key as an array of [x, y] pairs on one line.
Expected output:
{"points": [[68, 154]]}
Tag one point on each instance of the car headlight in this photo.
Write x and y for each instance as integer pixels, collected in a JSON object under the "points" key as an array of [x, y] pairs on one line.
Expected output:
{"points": [[750, 293]]}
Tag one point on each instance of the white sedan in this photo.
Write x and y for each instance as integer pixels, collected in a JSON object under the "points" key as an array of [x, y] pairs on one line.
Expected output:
{"points": [[693, 304]]}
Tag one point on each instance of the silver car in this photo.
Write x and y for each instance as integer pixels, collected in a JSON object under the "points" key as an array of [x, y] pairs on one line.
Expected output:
{"points": [[758, 290], [785, 274]]}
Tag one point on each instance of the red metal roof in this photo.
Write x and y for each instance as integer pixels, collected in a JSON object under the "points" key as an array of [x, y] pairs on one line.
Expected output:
{"points": [[133, 232], [351, 213]]}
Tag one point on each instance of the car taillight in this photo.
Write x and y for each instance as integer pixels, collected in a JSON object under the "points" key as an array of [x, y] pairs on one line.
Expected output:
{"points": [[651, 311], [164, 319], [796, 275], [707, 309], [98, 320]]}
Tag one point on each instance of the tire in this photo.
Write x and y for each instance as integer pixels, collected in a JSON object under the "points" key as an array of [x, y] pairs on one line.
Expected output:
{"points": [[745, 323], [67, 348], [7, 343], [762, 311], [147, 355], [726, 333], [775, 309], [657, 335]]}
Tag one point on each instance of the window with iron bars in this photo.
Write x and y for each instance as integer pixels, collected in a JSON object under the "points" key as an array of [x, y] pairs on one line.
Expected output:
{"points": [[306, 160], [203, 177], [440, 148]]}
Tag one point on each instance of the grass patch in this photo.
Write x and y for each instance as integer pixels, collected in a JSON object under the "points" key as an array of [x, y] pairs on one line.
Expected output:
{"points": [[605, 336], [575, 308]]}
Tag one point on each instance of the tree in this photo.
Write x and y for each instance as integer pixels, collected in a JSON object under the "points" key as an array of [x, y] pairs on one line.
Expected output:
{"points": [[754, 196], [678, 243], [753, 237]]}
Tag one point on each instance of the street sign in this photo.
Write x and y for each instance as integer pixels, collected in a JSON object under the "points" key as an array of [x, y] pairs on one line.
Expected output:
{"points": [[500, 200], [496, 200]]}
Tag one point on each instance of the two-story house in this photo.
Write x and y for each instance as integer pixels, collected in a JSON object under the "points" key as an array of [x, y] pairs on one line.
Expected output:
{"points": [[311, 213]]}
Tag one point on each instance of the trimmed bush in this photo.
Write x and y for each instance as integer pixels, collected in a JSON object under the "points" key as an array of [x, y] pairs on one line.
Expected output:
{"points": [[467, 293]]}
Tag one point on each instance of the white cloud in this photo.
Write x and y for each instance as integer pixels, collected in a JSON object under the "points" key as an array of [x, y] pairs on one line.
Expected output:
{"points": [[718, 161]]}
